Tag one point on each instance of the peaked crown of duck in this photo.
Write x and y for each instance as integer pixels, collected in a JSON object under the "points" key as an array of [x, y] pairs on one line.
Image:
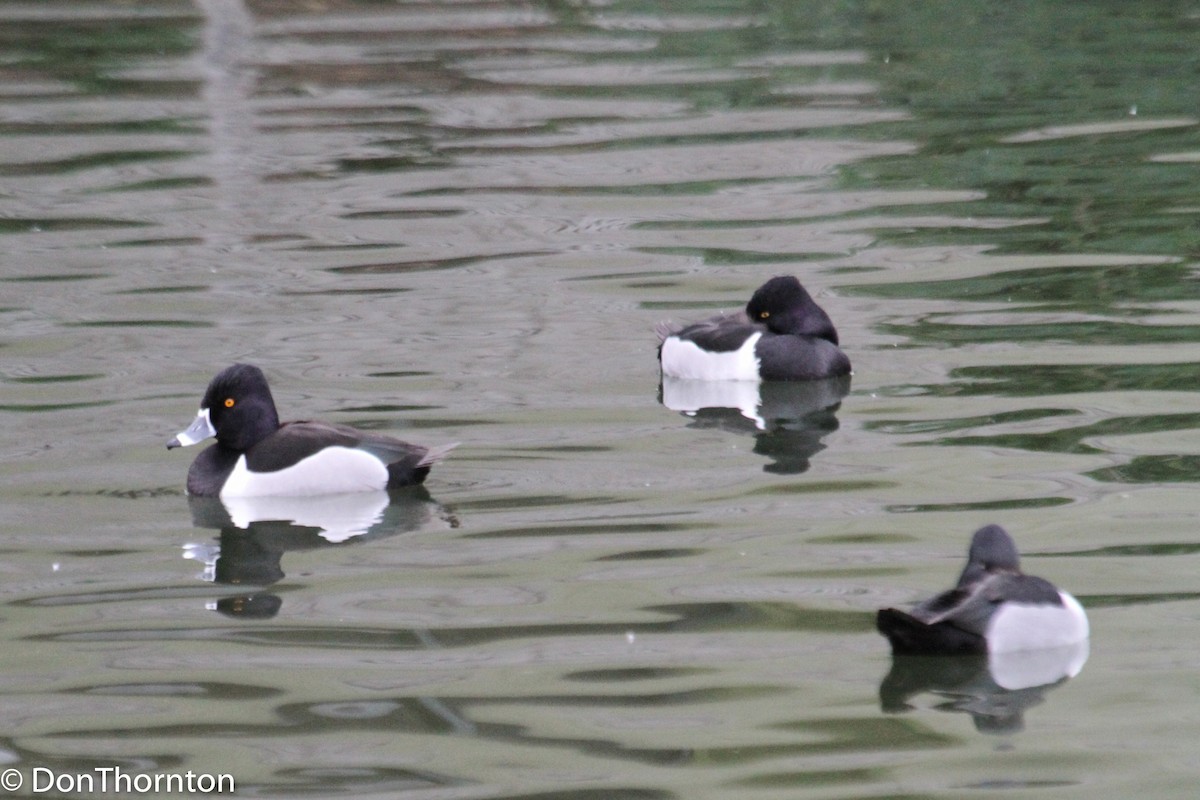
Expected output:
{"points": [[786, 308], [240, 406]]}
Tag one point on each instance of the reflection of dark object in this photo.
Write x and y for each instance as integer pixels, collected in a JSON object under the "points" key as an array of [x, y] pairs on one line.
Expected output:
{"points": [[787, 418], [994, 607], [792, 442], [994, 690], [256, 606], [252, 556], [256, 532]]}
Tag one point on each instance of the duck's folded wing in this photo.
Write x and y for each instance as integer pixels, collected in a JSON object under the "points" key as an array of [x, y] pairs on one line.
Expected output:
{"points": [[721, 334], [967, 607], [295, 441], [387, 449], [402, 457], [1032, 590]]}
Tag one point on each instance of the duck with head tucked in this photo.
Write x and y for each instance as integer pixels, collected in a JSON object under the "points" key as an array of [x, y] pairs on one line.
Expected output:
{"points": [[257, 456], [995, 608], [782, 335]]}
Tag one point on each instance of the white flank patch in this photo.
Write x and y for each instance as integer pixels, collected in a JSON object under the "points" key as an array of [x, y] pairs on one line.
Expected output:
{"points": [[334, 470], [684, 359], [1028, 626]]}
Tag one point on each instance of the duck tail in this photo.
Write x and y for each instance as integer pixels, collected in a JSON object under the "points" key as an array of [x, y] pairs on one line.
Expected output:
{"points": [[910, 636], [435, 454], [663, 330]]}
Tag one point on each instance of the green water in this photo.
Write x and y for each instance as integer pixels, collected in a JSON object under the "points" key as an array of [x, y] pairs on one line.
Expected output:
{"points": [[461, 222]]}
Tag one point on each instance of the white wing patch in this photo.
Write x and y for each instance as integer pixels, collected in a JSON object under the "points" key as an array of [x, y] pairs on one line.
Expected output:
{"points": [[334, 470], [684, 359]]}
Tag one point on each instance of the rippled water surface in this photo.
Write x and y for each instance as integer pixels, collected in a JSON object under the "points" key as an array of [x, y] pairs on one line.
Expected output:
{"points": [[461, 222]]}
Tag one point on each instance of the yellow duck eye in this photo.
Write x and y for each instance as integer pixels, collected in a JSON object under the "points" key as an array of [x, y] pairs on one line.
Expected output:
{"points": [[229, 402]]}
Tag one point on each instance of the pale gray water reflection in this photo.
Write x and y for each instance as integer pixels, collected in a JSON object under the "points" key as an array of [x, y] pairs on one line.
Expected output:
{"points": [[995, 690], [788, 420], [460, 222]]}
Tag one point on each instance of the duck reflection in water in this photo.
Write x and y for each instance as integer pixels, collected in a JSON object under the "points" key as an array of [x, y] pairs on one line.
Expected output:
{"points": [[788, 419], [994, 689], [255, 532]]}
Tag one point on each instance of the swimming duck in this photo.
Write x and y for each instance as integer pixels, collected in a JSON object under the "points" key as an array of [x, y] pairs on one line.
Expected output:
{"points": [[257, 456], [782, 335], [995, 608]]}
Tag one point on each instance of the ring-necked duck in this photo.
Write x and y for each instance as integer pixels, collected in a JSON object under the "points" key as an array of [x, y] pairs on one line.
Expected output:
{"points": [[995, 608], [782, 335], [255, 455]]}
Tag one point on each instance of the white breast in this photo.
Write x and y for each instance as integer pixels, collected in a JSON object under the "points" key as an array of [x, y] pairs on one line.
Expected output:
{"points": [[334, 470], [684, 359], [1026, 626]]}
